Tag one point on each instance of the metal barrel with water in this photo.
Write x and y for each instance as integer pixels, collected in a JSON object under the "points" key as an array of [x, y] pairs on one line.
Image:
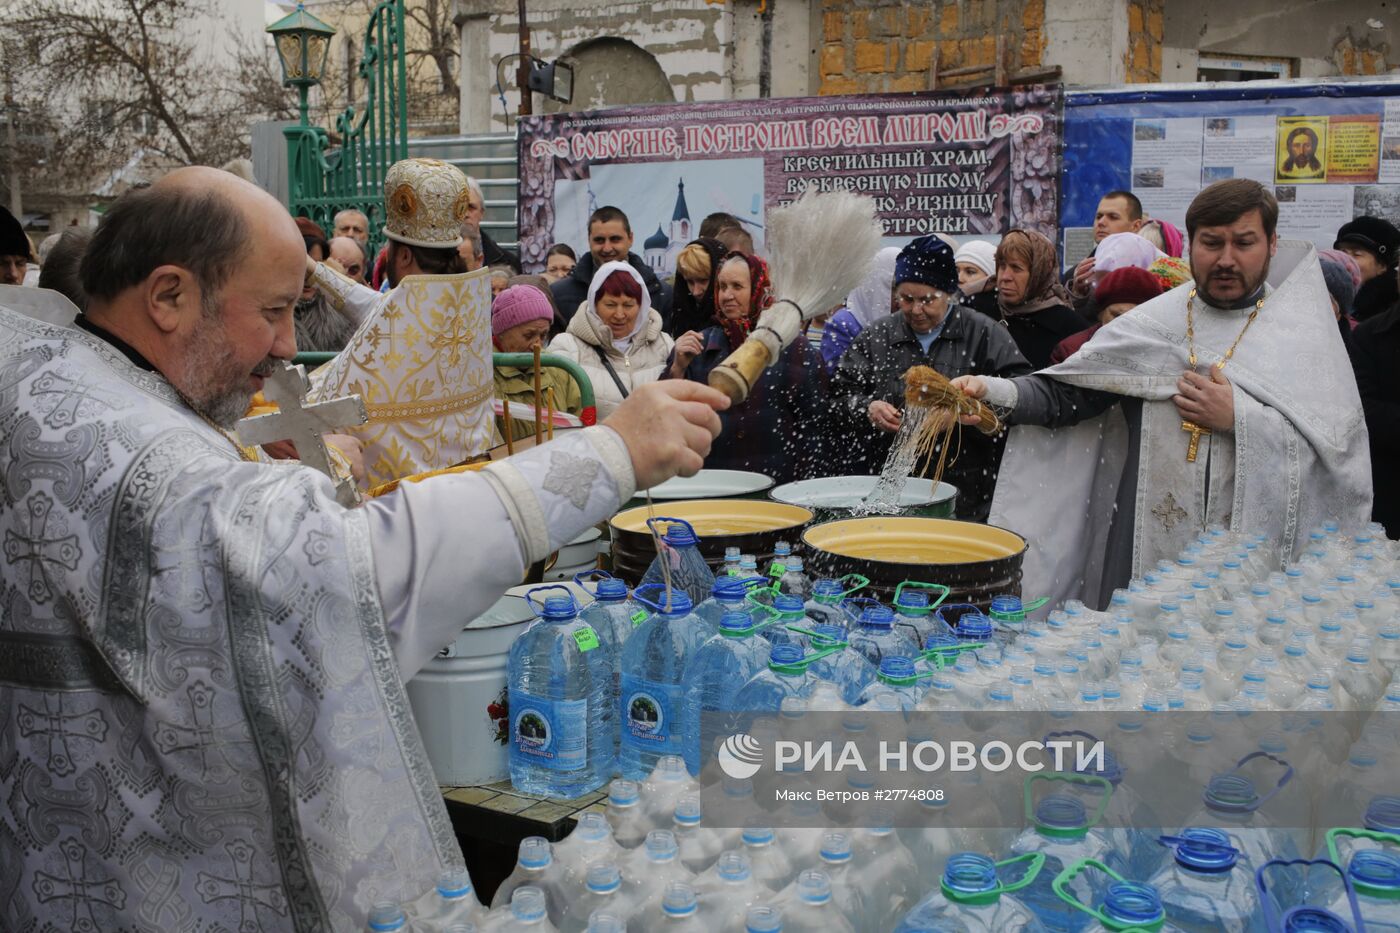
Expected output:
{"points": [[754, 526], [977, 562], [836, 497]]}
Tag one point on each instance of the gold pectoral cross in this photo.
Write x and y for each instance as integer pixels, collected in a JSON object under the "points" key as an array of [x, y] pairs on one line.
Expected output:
{"points": [[1194, 446]]}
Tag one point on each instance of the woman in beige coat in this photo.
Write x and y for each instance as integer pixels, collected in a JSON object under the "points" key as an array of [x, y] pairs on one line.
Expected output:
{"points": [[616, 336]]}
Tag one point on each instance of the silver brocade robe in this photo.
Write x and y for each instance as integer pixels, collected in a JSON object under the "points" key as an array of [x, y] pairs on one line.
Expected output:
{"points": [[203, 724], [1297, 456]]}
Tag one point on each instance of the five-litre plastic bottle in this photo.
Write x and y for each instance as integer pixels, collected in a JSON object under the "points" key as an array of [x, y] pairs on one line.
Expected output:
{"points": [[686, 570], [652, 689]]}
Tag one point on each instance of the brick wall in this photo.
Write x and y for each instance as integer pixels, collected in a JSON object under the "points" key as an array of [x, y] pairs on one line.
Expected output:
{"points": [[871, 46], [1142, 62]]}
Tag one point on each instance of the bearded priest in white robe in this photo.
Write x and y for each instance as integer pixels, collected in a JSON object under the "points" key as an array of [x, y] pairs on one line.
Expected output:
{"points": [[202, 656], [1228, 401]]}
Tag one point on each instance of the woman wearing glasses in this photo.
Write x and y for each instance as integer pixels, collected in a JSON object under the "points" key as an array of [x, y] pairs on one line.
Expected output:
{"points": [[928, 329]]}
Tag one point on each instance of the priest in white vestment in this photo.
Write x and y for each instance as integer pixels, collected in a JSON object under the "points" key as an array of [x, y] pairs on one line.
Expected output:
{"points": [[202, 656], [1227, 401]]}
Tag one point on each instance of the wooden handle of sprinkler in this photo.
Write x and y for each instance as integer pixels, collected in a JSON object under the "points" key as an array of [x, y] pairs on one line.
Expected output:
{"points": [[736, 376]]}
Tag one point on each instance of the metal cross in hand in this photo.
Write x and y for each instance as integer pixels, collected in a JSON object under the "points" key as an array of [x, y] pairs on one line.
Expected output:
{"points": [[304, 424]]}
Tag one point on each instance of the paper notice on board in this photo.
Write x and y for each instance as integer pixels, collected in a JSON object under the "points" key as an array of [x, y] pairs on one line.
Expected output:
{"points": [[1167, 153], [1077, 243], [1390, 143], [1313, 213], [1238, 147], [1353, 153]]}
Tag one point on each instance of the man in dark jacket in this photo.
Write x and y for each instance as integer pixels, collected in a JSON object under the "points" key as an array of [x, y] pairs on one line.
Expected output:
{"points": [[609, 240], [1375, 245], [492, 253], [1375, 348], [928, 331]]}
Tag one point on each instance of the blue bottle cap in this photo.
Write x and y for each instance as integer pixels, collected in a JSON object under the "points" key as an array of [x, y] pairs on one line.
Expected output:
{"points": [[558, 609], [611, 590], [784, 655], [829, 633], [877, 617], [940, 641], [973, 626], [535, 852], [680, 603], [1383, 814], [827, 587], [1133, 903], [1231, 793], [970, 873], [678, 535], [1203, 849], [728, 588], [788, 602], [385, 916], [1375, 869], [897, 669], [912, 599], [735, 622]]}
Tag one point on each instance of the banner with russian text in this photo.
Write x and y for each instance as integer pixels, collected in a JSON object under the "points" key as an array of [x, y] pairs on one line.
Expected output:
{"points": [[969, 166]]}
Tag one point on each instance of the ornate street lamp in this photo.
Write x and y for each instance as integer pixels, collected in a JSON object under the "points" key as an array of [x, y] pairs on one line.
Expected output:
{"points": [[303, 42]]}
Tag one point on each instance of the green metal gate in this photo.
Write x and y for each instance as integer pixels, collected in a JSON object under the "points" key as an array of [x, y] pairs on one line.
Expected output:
{"points": [[322, 182]]}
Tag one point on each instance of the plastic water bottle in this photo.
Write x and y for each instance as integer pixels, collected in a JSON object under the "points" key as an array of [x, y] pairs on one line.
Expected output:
{"points": [[591, 842], [452, 900], [713, 677], [731, 562], [679, 549], [889, 876], [625, 815], [781, 552], [767, 860], [527, 912], [678, 911], [612, 614], [874, 636], [971, 898], [748, 566], [651, 698], [387, 917], [1234, 806], [824, 606], [785, 676], [727, 890], [536, 868], [561, 716], [843, 879], [650, 869], [700, 845], [897, 679], [602, 892], [729, 594], [668, 782], [1064, 833], [1206, 886], [807, 906], [1374, 875], [845, 667], [914, 616], [794, 581]]}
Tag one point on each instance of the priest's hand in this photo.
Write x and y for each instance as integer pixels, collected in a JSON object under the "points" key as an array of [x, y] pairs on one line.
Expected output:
{"points": [[884, 416], [972, 387], [667, 427], [354, 451], [1206, 400]]}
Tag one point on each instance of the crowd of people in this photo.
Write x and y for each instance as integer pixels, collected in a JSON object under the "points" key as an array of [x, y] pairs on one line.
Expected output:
{"points": [[832, 404]]}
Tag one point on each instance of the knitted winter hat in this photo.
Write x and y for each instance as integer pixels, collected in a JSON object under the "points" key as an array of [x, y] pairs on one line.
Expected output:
{"points": [[1128, 285], [927, 260], [1342, 275], [978, 253], [517, 305]]}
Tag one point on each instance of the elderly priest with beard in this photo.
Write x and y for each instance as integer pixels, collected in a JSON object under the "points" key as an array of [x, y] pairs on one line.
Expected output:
{"points": [[1227, 401], [202, 655]]}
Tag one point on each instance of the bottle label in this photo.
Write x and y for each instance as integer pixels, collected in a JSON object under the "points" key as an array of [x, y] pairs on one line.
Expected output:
{"points": [[639, 617], [585, 638], [552, 734], [777, 570], [649, 713]]}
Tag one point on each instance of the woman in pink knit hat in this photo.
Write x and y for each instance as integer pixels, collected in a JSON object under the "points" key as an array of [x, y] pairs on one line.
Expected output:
{"points": [[520, 320]]}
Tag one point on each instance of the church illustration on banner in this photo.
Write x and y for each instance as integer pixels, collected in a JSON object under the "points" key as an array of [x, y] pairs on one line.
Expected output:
{"points": [[659, 250]]}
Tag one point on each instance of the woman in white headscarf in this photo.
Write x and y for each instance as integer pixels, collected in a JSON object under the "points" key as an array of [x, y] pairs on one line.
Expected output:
{"points": [[872, 300], [616, 336]]}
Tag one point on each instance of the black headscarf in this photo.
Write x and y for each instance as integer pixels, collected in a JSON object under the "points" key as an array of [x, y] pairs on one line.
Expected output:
{"points": [[687, 313]]}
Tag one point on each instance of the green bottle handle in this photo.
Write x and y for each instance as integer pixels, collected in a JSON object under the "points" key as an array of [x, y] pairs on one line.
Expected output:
{"points": [[1061, 888], [943, 592]]}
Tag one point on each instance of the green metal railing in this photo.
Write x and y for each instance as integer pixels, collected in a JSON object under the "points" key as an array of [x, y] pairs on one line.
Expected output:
{"points": [[589, 413], [371, 140]]}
